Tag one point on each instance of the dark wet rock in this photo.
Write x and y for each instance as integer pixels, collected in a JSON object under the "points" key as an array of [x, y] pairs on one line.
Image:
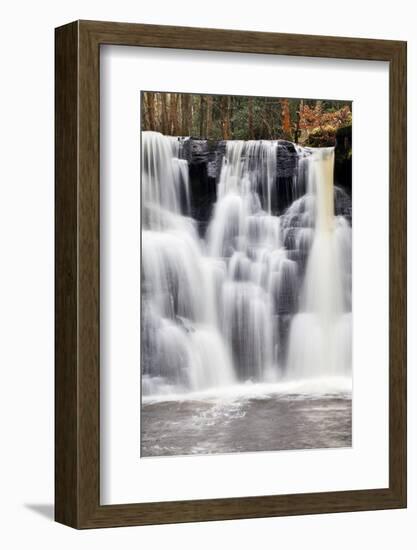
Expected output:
{"points": [[342, 203], [195, 151], [287, 159], [343, 159], [205, 159]]}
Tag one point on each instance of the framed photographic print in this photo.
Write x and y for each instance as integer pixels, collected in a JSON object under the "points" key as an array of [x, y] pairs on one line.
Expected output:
{"points": [[230, 274]]}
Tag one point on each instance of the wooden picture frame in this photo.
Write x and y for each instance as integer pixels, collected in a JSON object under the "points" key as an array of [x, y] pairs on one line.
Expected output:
{"points": [[77, 383]]}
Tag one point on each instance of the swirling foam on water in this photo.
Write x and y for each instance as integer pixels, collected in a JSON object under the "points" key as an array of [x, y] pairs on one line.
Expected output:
{"points": [[320, 387]]}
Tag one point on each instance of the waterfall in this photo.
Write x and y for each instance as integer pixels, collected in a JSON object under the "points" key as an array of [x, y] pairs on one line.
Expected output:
{"points": [[265, 294], [324, 310], [165, 184], [182, 348]]}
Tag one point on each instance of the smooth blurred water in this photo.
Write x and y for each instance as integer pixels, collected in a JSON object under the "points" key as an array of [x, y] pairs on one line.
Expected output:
{"points": [[237, 322], [261, 297]]}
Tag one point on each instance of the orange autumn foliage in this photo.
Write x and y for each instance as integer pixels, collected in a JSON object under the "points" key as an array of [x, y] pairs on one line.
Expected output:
{"points": [[319, 127]]}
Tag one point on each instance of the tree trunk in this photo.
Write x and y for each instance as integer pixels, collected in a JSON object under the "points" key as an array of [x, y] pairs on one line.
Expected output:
{"points": [[225, 117], [173, 114], [203, 125], [286, 118], [209, 116], [144, 111], [318, 109], [150, 102], [231, 119], [250, 118], [297, 126], [164, 113], [186, 115]]}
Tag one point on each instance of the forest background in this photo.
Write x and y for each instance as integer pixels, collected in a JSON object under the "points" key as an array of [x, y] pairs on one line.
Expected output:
{"points": [[309, 122]]}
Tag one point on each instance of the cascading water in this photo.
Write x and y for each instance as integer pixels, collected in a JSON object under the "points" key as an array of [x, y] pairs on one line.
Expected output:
{"points": [[265, 295], [320, 337], [182, 346]]}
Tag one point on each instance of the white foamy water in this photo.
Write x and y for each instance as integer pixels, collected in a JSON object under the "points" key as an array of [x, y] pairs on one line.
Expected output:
{"points": [[261, 304], [319, 387]]}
